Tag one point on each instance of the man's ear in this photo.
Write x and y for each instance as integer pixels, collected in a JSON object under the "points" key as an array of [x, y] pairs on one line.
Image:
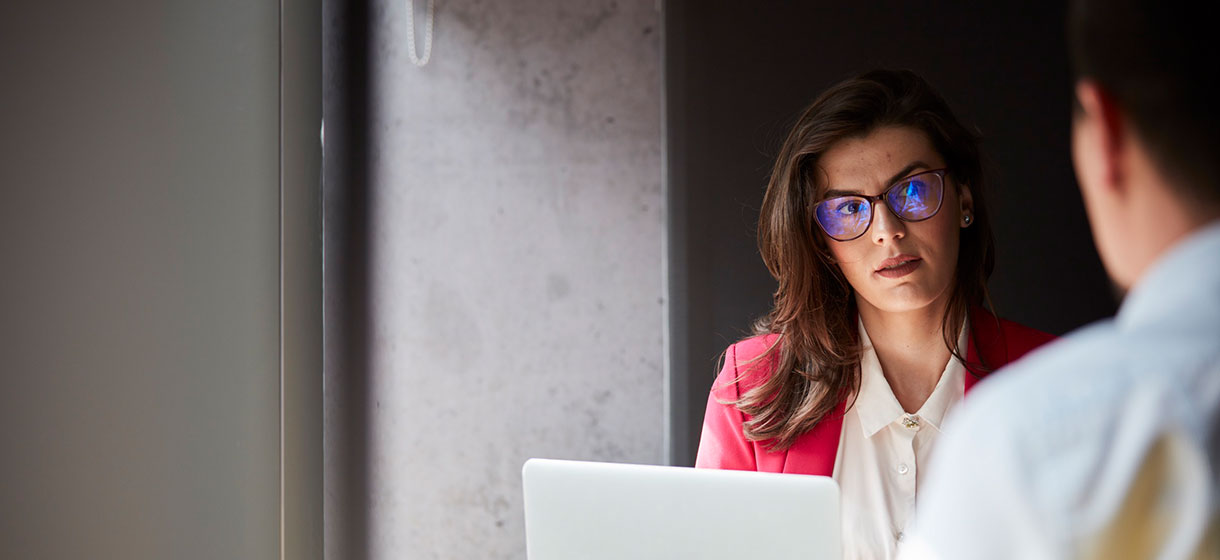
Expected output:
{"points": [[1099, 112]]}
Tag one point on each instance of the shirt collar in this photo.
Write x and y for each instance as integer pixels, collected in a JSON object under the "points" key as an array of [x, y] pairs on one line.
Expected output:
{"points": [[1189, 268], [876, 405], [951, 386]]}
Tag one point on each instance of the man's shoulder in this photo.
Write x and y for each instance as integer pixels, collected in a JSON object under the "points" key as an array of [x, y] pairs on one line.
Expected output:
{"points": [[1038, 402], [1103, 355], [1057, 365], [1056, 407], [1063, 429]]}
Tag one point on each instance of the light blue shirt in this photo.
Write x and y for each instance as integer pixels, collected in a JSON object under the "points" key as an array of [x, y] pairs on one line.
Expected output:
{"points": [[1040, 461]]}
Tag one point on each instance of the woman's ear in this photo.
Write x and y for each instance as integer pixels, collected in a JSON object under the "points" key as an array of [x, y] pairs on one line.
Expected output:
{"points": [[966, 200]]}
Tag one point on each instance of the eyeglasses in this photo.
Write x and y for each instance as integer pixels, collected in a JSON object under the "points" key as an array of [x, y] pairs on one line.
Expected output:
{"points": [[913, 199]]}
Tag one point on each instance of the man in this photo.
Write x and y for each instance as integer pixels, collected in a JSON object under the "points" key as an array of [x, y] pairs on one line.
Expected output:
{"points": [[1105, 444]]}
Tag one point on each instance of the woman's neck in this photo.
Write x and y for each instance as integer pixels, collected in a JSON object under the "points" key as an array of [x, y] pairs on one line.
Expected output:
{"points": [[910, 346]]}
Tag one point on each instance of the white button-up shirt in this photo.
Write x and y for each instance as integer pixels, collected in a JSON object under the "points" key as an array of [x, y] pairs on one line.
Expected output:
{"points": [[882, 453], [1105, 444]]}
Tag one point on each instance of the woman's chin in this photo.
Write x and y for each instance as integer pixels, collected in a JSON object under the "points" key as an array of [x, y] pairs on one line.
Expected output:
{"points": [[906, 298]]}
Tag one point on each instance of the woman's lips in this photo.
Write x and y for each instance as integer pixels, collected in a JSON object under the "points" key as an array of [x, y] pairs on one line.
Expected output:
{"points": [[899, 267]]}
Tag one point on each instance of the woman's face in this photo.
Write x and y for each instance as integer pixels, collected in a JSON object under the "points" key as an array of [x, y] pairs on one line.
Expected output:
{"points": [[925, 251]]}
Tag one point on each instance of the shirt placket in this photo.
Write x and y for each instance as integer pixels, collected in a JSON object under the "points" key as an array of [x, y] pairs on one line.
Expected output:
{"points": [[903, 472]]}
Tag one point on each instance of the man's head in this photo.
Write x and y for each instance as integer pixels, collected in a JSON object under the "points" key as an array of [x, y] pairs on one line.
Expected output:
{"points": [[1146, 125]]}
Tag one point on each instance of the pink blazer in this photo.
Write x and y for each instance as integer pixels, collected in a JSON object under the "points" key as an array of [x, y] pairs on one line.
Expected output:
{"points": [[724, 446]]}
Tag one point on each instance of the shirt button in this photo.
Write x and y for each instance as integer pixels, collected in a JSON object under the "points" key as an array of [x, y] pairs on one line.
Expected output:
{"points": [[901, 535], [903, 468]]}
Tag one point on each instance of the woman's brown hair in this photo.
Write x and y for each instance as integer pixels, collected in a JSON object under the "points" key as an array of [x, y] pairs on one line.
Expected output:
{"points": [[816, 357]]}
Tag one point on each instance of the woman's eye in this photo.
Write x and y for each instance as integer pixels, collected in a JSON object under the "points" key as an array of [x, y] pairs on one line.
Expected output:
{"points": [[850, 207]]}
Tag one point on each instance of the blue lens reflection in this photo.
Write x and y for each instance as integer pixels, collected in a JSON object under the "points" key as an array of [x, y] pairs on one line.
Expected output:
{"points": [[916, 199], [844, 217]]}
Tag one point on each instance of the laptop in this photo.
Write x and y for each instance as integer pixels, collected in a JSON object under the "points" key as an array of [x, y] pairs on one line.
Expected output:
{"points": [[602, 511]]}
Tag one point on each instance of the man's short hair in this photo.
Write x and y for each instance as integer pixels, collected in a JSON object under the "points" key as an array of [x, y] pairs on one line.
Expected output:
{"points": [[1158, 59]]}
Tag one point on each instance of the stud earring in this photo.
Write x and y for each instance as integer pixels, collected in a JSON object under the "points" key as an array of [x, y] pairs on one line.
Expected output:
{"points": [[966, 220]]}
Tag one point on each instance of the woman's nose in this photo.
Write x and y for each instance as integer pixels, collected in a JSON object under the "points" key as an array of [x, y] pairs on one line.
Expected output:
{"points": [[886, 226]]}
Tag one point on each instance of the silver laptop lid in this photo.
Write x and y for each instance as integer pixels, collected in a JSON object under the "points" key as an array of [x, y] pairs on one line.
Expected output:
{"points": [[601, 511]]}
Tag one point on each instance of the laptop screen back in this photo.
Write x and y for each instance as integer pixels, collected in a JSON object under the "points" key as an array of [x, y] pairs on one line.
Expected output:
{"points": [[601, 511]]}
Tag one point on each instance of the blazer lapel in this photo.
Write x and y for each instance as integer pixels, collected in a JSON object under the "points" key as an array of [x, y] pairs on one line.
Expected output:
{"points": [[973, 372], [986, 349], [815, 452]]}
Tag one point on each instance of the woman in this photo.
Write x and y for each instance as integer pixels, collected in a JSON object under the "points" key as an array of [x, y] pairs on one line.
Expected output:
{"points": [[874, 225]]}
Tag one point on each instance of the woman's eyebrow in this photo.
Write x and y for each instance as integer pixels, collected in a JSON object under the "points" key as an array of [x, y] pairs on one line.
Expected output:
{"points": [[836, 192], [897, 177], [907, 171]]}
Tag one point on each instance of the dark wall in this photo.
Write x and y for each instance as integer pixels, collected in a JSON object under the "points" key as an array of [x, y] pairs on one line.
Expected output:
{"points": [[737, 78]]}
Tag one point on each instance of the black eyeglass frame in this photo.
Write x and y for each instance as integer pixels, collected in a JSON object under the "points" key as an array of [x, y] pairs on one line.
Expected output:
{"points": [[874, 199]]}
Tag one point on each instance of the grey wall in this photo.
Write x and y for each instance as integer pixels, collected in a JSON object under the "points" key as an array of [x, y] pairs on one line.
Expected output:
{"points": [[514, 296], [140, 231]]}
